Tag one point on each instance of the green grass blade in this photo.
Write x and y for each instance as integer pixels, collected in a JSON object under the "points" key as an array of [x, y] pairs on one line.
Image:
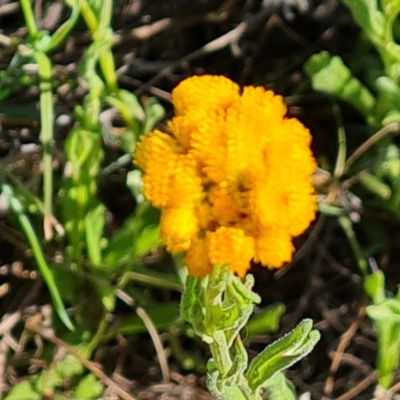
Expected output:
{"points": [[18, 209]]}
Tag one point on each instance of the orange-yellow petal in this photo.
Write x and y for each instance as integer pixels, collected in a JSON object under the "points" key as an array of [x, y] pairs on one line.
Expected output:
{"points": [[208, 145], [230, 246], [224, 207], [156, 146], [209, 92], [157, 155], [273, 247], [185, 184], [196, 259], [178, 227], [250, 123], [204, 216], [232, 177]]}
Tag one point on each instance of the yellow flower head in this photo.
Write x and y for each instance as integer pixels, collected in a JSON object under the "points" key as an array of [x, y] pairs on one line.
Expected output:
{"points": [[232, 176]]}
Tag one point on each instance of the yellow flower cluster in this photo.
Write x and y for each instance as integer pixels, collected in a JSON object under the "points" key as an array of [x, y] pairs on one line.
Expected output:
{"points": [[231, 174]]}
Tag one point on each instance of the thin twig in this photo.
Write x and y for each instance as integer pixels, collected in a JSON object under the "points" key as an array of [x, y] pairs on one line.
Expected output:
{"points": [[343, 343], [395, 388], [356, 390], [211, 47], [162, 359], [3, 363], [9, 321], [392, 128]]}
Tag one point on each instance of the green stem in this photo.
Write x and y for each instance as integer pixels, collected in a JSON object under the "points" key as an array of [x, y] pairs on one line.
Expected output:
{"points": [[29, 18], [107, 59], [98, 27], [347, 227], [46, 120], [46, 114], [220, 352], [65, 29], [342, 148], [125, 112], [89, 16], [98, 337]]}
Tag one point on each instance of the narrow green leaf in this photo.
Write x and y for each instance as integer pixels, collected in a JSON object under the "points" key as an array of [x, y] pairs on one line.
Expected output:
{"points": [[45, 271], [282, 354], [266, 321], [375, 185], [65, 29], [94, 229]]}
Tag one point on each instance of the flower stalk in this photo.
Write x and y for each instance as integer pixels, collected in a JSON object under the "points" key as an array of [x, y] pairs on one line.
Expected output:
{"points": [[218, 307]]}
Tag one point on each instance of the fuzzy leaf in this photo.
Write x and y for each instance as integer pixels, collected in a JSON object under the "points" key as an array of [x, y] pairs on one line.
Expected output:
{"points": [[282, 354]]}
